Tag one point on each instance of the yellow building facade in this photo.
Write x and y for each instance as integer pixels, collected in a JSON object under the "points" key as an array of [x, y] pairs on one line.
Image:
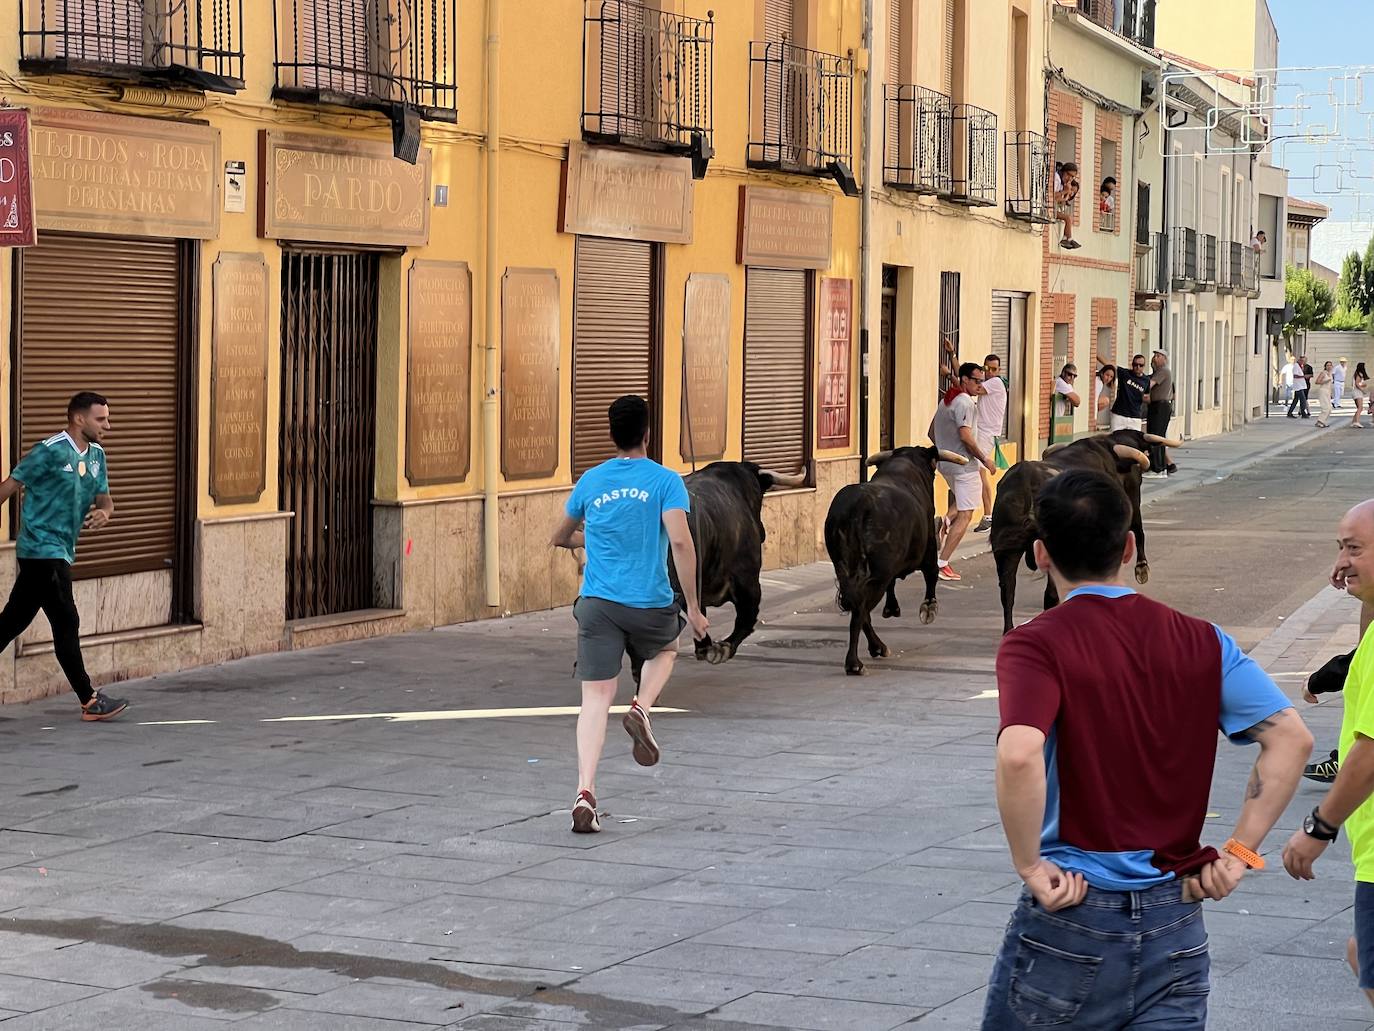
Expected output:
{"points": [[349, 392]]}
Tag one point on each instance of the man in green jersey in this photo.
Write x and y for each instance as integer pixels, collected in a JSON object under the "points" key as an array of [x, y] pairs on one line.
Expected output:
{"points": [[1349, 801], [62, 477]]}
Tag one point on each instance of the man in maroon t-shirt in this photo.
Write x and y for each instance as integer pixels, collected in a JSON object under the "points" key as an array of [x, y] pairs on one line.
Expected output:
{"points": [[1104, 768]]}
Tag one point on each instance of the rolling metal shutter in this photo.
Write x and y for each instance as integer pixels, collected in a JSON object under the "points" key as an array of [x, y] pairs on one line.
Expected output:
{"points": [[614, 346], [101, 313], [892, 136], [947, 62], [777, 363]]}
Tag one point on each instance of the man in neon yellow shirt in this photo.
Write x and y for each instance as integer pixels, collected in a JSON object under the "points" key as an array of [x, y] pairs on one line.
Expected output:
{"points": [[1349, 801]]}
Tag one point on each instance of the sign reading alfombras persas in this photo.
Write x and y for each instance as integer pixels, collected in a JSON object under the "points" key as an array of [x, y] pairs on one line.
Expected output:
{"points": [[439, 373]]}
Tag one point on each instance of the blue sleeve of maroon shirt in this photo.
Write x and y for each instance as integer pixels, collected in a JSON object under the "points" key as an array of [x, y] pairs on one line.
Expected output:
{"points": [[1248, 695]]}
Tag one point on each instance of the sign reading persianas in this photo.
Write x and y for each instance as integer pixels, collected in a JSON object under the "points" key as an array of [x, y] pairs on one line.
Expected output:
{"points": [[836, 331], [17, 227]]}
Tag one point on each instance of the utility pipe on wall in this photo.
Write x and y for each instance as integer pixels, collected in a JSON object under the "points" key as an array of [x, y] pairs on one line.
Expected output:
{"points": [[865, 252], [491, 413]]}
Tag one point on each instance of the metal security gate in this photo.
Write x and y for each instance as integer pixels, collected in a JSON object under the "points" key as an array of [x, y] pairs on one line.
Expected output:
{"points": [[615, 341], [887, 362], [777, 367], [328, 428]]}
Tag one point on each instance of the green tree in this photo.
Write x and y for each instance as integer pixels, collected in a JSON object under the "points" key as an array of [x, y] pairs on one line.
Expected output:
{"points": [[1312, 300], [1346, 319], [1367, 270], [1351, 295]]}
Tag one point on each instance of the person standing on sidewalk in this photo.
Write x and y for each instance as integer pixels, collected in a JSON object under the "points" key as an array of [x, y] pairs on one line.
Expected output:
{"points": [[1338, 381], [988, 425], [1158, 413], [1360, 394], [1348, 803], [1104, 769], [1298, 402], [952, 429], [1322, 384], [1132, 390], [62, 478], [626, 513]]}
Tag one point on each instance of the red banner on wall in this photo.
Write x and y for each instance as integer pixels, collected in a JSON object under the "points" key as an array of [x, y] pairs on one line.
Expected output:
{"points": [[836, 339], [17, 227]]}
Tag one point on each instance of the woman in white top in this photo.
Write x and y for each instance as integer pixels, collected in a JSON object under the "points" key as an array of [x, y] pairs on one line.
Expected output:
{"points": [[1322, 383], [1360, 392], [1106, 395]]}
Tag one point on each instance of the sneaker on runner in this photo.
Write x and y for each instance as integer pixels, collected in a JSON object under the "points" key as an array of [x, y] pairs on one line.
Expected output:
{"points": [[984, 525], [1161, 475], [1171, 468], [584, 815], [102, 707], [1323, 772], [636, 724], [948, 574]]}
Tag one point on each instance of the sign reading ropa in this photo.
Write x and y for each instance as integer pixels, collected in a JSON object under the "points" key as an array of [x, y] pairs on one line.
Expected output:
{"points": [[17, 227], [330, 189]]}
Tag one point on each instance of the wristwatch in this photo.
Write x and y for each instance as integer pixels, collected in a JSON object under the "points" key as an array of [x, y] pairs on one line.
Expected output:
{"points": [[1315, 827]]}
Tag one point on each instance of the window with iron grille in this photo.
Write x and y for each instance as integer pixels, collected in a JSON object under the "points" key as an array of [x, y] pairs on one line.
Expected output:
{"points": [[949, 330], [196, 43], [917, 151], [973, 135], [800, 103], [376, 54], [1028, 160], [647, 77]]}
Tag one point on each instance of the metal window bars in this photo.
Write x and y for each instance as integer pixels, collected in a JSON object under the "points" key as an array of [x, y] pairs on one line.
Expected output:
{"points": [[1184, 258], [1029, 158], [1207, 262], [195, 43], [916, 148], [375, 54], [647, 77], [800, 104], [973, 135], [1133, 19], [1142, 214], [1227, 269], [1152, 270]]}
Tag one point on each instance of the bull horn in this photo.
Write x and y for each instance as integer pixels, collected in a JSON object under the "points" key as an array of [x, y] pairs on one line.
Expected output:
{"points": [[786, 479], [1132, 454], [879, 458], [950, 456], [1155, 438]]}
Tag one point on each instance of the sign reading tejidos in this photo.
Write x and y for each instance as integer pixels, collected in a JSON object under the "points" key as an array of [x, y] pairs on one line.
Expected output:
{"points": [[238, 379], [627, 196], [17, 226], [706, 360], [331, 189], [439, 373], [784, 228], [101, 173], [530, 321], [836, 333]]}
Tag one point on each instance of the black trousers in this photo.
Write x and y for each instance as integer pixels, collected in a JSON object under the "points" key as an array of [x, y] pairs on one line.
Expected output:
{"points": [[1299, 398], [46, 583], [1157, 416]]}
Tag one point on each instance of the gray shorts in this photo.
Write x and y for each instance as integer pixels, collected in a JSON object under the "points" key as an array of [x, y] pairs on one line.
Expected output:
{"points": [[606, 630]]}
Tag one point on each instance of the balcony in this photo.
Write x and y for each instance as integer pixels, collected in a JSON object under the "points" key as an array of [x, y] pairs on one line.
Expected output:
{"points": [[916, 144], [1142, 216], [187, 43], [647, 79], [973, 146], [1152, 273], [1183, 254], [1243, 270], [1227, 269], [800, 104], [381, 55], [1130, 19], [1207, 263], [1029, 158]]}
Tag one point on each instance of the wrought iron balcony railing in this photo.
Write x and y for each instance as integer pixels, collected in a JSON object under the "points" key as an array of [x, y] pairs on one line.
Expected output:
{"points": [[800, 104], [647, 77], [1227, 271], [1207, 262], [1133, 19], [916, 143], [973, 143], [381, 55], [196, 43], [1152, 270], [1142, 214], [1029, 159], [1250, 271], [1183, 256]]}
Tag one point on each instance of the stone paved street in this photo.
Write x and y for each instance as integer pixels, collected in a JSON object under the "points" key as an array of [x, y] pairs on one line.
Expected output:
{"points": [[349, 839]]}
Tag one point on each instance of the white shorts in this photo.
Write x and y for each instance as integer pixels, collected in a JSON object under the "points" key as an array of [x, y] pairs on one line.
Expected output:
{"points": [[966, 484], [1123, 422], [985, 442]]}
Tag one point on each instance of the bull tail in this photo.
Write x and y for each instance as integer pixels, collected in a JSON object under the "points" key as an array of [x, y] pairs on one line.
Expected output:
{"points": [[851, 567]]}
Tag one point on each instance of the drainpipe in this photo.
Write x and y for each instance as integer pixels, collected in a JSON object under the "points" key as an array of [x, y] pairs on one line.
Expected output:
{"points": [[491, 415], [865, 253]]}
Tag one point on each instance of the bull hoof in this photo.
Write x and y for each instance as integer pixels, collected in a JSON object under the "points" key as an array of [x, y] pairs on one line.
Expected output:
{"points": [[721, 652], [1142, 573], [855, 670], [879, 651], [928, 610], [892, 612]]}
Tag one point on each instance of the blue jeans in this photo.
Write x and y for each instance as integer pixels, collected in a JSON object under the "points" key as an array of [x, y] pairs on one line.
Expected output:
{"points": [[1135, 959]]}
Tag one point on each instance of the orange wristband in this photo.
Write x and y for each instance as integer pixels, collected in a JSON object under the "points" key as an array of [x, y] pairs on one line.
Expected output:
{"points": [[1251, 859]]}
